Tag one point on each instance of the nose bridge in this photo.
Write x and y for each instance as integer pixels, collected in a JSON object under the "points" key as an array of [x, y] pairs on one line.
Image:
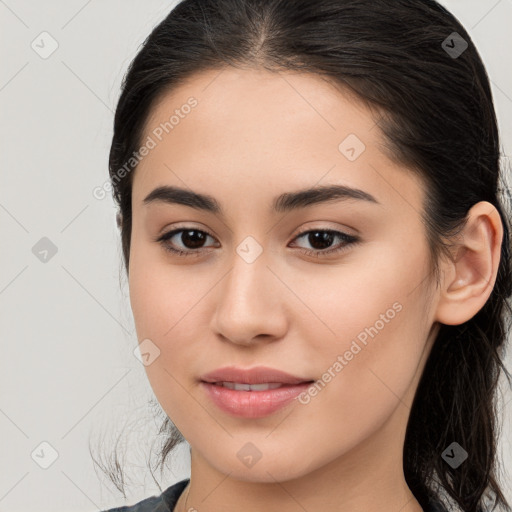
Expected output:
{"points": [[248, 300]]}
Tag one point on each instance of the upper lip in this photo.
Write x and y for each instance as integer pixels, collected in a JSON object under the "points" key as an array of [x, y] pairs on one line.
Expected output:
{"points": [[255, 375]]}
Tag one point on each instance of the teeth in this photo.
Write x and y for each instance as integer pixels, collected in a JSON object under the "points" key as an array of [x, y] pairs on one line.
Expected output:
{"points": [[250, 387]]}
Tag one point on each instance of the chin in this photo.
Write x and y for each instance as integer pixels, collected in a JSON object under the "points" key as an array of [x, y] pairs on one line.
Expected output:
{"points": [[265, 471]]}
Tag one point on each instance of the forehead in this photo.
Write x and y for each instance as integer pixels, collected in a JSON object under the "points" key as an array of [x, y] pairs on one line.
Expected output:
{"points": [[257, 100], [225, 126]]}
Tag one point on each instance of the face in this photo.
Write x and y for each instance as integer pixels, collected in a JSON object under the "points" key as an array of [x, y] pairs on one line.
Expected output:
{"points": [[334, 291]]}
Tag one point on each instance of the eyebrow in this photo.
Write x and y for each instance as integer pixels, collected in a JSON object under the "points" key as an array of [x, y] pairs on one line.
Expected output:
{"points": [[282, 203]]}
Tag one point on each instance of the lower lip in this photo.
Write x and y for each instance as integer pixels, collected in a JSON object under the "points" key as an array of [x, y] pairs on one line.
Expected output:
{"points": [[253, 404]]}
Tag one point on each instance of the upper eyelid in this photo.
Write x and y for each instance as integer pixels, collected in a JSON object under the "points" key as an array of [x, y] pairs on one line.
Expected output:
{"points": [[173, 232], [347, 231]]}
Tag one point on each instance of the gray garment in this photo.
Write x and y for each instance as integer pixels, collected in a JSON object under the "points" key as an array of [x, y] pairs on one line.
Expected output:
{"points": [[168, 499]]}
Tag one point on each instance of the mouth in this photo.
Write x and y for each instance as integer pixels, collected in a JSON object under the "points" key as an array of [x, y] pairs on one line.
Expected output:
{"points": [[252, 379], [252, 392], [252, 401], [265, 386]]}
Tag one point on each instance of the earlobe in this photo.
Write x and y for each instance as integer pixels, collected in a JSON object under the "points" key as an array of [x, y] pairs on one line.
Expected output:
{"points": [[468, 279]]}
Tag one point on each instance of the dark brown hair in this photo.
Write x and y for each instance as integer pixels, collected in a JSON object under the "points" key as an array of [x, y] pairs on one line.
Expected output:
{"points": [[437, 117]]}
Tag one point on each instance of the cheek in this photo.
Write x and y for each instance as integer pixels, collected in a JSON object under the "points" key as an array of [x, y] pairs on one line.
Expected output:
{"points": [[365, 382], [167, 317], [376, 292], [161, 295], [168, 304], [369, 354]]}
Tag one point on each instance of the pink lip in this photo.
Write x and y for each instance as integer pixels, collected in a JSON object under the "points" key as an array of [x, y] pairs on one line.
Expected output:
{"points": [[255, 375], [253, 404]]}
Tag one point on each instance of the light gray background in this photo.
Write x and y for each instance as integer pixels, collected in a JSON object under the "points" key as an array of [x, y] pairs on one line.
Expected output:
{"points": [[68, 370]]}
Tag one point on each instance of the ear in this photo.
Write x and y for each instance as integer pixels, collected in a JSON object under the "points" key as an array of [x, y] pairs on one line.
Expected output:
{"points": [[119, 220], [468, 278]]}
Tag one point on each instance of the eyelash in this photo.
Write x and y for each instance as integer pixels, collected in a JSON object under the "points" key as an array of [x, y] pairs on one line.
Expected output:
{"points": [[348, 239]]}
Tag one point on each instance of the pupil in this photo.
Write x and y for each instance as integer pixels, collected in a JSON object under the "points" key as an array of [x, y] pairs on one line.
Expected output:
{"points": [[320, 237], [194, 242]]}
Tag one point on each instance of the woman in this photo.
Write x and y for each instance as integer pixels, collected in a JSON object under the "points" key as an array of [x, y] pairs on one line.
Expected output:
{"points": [[317, 254]]}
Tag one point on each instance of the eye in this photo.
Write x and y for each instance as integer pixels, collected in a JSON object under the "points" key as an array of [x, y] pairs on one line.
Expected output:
{"points": [[322, 238], [192, 241]]}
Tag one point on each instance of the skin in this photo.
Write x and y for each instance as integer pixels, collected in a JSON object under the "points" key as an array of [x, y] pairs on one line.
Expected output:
{"points": [[252, 136]]}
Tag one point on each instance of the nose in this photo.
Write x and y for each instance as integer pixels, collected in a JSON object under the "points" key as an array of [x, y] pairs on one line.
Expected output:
{"points": [[249, 303]]}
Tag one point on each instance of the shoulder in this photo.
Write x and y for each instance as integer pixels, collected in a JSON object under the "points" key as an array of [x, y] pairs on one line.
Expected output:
{"points": [[165, 502]]}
